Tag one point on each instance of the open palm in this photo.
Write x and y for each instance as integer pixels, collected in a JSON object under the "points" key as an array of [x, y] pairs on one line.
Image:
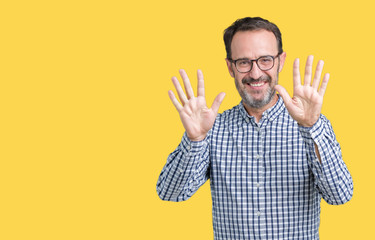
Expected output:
{"points": [[306, 105], [196, 117]]}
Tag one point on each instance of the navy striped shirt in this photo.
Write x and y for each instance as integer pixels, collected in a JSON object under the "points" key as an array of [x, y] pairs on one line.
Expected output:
{"points": [[266, 180]]}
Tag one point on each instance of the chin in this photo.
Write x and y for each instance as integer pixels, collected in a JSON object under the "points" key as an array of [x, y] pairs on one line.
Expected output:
{"points": [[258, 102]]}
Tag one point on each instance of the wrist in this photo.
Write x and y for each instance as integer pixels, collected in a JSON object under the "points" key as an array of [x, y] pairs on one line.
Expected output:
{"points": [[309, 123], [306, 125], [196, 138]]}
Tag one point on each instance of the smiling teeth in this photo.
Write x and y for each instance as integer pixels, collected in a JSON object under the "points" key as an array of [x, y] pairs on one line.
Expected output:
{"points": [[257, 84]]}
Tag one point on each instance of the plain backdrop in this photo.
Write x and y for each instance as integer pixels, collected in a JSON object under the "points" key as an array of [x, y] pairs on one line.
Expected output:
{"points": [[86, 124]]}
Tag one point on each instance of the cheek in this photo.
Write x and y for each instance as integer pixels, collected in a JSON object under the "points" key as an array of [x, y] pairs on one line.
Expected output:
{"points": [[274, 75], [238, 83], [275, 79], [238, 78]]}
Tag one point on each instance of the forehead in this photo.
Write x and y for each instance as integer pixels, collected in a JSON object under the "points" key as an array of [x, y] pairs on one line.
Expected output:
{"points": [[253, 44]]}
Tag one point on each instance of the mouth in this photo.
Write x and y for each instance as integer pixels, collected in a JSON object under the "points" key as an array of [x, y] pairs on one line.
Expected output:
{"points": [[256, 84]]}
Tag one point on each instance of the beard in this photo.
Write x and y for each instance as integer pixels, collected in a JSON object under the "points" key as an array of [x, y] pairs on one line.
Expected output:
{"points": [[249, 100]]}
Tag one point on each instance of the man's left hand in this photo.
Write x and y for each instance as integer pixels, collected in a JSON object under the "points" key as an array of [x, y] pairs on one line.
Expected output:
{"points": [[306, 104]]}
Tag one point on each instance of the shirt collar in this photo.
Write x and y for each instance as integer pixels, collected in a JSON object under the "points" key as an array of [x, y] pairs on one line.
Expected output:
{"points": [[271, 113]]}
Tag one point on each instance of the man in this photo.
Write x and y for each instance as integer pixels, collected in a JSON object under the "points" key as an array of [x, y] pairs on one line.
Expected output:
{"points": [[269, 159]]}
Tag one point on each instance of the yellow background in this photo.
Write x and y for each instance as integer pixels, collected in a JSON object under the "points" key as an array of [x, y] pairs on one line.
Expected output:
{"points": [[86, 124]]}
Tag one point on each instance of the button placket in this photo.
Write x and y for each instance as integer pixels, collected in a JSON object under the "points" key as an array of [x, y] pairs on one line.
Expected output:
{"points": [[258, 191], [261, 177]]}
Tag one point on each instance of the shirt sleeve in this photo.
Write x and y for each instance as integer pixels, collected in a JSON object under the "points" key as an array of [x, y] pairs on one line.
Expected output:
{"points": [[185, 171], [331, 175]]}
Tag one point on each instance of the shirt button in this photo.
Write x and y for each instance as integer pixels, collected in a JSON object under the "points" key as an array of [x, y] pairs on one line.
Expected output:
{"points": [[258, 185], [259, 213], [188, 147]]}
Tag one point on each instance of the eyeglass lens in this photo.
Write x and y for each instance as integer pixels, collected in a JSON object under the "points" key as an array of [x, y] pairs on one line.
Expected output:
{"points": [[264, 63]]}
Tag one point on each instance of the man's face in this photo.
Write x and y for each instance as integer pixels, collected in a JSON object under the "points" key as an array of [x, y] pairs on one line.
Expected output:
{"points": [[257, 86]]}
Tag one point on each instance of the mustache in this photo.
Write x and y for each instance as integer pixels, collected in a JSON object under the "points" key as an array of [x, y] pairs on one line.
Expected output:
{"points": [[249, 80]]}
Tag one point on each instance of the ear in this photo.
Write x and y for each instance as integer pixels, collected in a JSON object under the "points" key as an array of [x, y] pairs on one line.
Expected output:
{"points": [[282, 61], [230, 69]]}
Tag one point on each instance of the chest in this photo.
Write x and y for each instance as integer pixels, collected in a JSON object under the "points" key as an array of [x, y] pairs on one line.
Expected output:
{"points": [[249, 154]]}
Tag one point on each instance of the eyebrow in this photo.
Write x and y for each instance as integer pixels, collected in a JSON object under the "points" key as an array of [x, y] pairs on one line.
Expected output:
{"points": [[244, 58]]}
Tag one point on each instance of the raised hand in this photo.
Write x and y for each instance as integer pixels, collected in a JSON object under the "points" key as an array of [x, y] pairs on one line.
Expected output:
{"points": [[307, 101], [196, 117]]}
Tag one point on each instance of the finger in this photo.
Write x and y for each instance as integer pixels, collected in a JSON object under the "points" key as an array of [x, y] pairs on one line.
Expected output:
{"points": [[296, 74], [324, 85], [318, 74], [174, 100], [284, 94], [200, 83], [179, 90], [217, 102], [308, 70], [188, 88]]}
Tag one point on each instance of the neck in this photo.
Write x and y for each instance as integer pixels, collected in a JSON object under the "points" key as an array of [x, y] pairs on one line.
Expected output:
{"points": [[258, 112]]}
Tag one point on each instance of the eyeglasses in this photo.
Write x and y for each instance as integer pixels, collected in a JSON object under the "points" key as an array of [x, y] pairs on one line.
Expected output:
{"points": [[244, 65]]}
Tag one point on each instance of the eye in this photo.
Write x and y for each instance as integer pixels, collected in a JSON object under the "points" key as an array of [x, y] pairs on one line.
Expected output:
{"points": [[243, 62], [265, 60]]}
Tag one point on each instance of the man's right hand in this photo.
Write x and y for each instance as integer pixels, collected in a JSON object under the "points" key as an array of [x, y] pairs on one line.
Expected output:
{"points": [[196, 117]]}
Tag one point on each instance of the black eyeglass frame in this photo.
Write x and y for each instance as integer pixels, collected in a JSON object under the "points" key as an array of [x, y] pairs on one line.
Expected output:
{"points": [[255, 60]]}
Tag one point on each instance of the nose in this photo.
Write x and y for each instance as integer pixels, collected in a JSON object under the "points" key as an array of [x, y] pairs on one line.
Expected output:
{"points": [[255, 71]]}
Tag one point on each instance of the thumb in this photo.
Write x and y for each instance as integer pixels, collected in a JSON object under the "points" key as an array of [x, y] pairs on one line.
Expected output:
{"points": [[284, 94], [217, 102]]}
